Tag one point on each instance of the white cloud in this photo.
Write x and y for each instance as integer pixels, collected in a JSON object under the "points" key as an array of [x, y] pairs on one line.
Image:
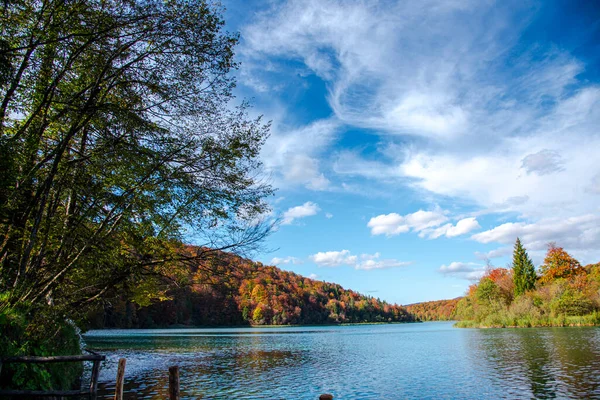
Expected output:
{"points": [[328, 215], [285, 260], [574, 234], [334, 258], [462, 227], [495, 180], [482, 119], [426, 223], [305, 210], [313, 276], [389, 224], [469, 271], [394, 224], [364, 262]]}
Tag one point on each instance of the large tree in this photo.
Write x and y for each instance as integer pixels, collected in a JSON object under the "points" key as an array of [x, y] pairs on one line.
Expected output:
{"points": [[524, 275], [118, 140]]}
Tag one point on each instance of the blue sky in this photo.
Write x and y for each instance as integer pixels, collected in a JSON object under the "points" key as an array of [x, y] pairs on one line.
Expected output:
{"points": [[412, 141]]}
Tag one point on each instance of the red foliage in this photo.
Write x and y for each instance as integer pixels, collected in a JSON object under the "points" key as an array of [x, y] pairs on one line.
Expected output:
{"points": [[497, 275]]}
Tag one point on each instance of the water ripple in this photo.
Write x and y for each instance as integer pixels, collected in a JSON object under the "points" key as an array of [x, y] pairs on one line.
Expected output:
{"points": [[429, 360]]}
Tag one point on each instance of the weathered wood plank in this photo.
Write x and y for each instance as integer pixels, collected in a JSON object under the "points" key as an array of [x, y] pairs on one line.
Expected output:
{"points": [[94, 380], [44, 393], [120, 379], [174, 383], [34, 359]]}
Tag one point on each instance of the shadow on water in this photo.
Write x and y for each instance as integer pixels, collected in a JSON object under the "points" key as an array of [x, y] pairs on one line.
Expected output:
{"points": [[543, 363]]}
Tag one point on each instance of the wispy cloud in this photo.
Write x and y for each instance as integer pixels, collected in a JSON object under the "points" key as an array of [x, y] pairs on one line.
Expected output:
{"points": [[362, 262], [468, 271], [393, 67], [543, 162], [292, 155], [464, 111], [286, 260]]}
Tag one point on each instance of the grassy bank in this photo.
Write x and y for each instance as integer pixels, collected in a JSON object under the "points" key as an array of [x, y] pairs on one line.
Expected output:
{"points": [[499, 321]]}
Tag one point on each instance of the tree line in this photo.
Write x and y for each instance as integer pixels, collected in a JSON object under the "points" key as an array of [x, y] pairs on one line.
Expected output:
{"points": [[560, 292], [231, 290], [437, 310]]}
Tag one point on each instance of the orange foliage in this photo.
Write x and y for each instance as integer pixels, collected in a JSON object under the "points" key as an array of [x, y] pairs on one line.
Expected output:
{"points": [[559, 264], [230, 290], [503, 278], [496, 275], [472, 290], [440, 310]]}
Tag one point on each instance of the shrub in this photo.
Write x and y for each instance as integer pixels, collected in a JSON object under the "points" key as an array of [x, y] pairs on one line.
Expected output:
{"points": [[43, 335], [572, 302], [525, 307]]}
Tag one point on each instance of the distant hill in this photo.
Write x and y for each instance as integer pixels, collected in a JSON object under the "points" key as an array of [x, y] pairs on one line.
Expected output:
{"points": [[438, 310], [238, 291]]}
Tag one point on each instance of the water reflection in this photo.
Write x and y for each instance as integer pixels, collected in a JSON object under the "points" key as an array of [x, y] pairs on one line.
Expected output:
{"points": [[543, 363], [429, 360]]}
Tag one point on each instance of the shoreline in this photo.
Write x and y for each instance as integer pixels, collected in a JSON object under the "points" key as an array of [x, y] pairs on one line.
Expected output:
{"points": [[563, 321], [260, 326]]}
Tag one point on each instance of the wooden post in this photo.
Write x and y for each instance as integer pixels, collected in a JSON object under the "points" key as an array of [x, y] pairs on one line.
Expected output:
{"points": [[94, 380], [120, 379], [326, 397], [174, 383]]}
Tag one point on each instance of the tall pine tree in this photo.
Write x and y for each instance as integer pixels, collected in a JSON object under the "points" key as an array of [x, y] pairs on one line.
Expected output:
{"points": [[523, 270]]}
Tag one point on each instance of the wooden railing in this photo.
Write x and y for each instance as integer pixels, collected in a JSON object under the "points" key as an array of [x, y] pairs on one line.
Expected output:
{"points": [[174, 393], [91, 393]]}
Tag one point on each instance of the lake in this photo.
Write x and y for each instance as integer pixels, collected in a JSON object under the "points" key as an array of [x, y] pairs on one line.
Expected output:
{"points": [[396, 361]]}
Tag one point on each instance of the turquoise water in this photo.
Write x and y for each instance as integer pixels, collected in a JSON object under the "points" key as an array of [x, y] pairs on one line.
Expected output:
{"points": [[399, 361]]}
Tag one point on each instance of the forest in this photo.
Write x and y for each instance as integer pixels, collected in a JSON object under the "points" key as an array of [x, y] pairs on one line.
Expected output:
{"points": [[231, 290], [437, 310]]}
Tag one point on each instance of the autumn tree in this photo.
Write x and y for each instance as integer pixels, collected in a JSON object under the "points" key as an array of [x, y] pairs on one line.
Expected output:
{"points": [[559, 264], [502, 278], [524, 276]]}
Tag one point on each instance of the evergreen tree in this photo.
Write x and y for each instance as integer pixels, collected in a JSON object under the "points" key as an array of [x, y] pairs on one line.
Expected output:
{"points": [[523, 270]]}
